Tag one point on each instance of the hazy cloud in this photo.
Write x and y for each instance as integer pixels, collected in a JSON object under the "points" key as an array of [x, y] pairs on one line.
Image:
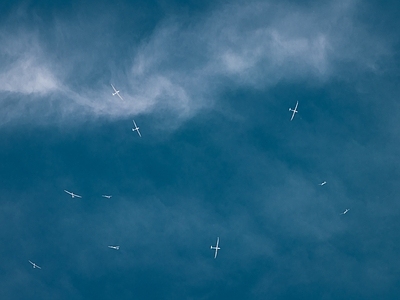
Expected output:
{"points": [[24, 67], [182, 68]]}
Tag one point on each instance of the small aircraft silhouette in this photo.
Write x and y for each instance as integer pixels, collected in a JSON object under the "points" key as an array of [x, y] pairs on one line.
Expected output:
{"points": [[216, 248], [294, 110], [136, 128], [72, 194], [345, 212], [116, 92], [114, 247], [106, 196], [34, 265]]}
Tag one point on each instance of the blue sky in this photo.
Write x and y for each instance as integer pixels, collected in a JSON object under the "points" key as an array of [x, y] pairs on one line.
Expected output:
{"points": [[209, 85]]}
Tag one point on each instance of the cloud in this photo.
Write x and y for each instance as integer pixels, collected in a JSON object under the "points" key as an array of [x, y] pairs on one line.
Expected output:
{"points": [[24, 69], [184, 65], [28, 77]]}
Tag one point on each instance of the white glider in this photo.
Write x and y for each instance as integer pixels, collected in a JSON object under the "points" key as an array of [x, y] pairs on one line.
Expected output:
{"points": [[106, 196], [116, 92], [345, 212], [136, 128], [34, 265], [294, 110], [216, 248], [114, 247], [72, 194]]}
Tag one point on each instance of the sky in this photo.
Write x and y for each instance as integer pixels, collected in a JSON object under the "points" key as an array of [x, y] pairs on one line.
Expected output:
{"points": [[209, 84]]}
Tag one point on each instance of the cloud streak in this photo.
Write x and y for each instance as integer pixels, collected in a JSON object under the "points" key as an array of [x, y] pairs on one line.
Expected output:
{"points": [[24, 68], [181, 69]]}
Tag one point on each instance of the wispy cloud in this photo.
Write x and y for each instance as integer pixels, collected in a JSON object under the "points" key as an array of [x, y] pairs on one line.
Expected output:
{"points": [[27, 76], [181, 68], [24, 67]]}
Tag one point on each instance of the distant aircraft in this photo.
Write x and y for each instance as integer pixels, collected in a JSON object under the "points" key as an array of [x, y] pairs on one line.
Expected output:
{"points": [[114, 247], [323, 183], [116, 92], [107, 196], [294, 110], [345, 212], [34, 265], [216, 248], [136, 128], [72, 194]]}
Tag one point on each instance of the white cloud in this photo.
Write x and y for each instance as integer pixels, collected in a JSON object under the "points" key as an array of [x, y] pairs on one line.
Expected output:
{"points": [[27, 76], [183, 69], [24, 68]]}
